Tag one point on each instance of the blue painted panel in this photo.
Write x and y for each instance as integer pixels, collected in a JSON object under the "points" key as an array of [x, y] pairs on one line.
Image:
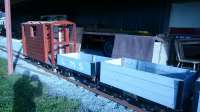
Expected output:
{"points": [[80, 62], [196, 101], [135, 82], [74, 64], [149, 90], [151, 81], [156, 68], [198, 108], [128, 71]]}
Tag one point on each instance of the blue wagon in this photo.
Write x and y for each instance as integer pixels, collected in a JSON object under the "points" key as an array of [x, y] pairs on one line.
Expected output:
{"points": [[86, 64], [165, 85]]}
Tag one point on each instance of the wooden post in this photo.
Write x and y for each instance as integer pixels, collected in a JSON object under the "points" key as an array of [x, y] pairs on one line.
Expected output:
{"points": [[9, 35]]}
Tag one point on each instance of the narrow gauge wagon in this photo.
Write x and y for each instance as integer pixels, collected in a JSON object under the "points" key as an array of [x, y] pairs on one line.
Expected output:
{"points": [[165, 85], [43, 40], [87, 65], [196, 99]]}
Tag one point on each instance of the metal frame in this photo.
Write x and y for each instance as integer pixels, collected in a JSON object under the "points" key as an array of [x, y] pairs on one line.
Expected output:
{"points": [[180, 54], [66, 34]]}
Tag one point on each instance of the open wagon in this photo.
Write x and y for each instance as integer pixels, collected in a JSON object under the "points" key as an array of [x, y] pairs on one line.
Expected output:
{"points": [[165, 85], [87, 65]]}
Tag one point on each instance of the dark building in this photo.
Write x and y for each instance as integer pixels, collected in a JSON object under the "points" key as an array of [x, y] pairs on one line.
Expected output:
{"points": [[127, 15]]}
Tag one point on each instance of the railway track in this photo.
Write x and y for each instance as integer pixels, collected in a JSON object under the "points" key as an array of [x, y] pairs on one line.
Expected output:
{"points": [[78, 83]]}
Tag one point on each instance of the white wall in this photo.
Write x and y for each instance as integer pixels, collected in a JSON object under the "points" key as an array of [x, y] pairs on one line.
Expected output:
{"points": [[185, 15]]}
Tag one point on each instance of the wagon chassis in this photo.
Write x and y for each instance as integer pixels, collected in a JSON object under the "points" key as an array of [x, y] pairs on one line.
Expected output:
{"points": [[121, 97]]}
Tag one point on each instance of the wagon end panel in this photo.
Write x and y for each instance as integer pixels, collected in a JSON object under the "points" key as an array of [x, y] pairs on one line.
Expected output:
{"points": [[34, 41], [95, 71], [196, 99], [188, 89]]}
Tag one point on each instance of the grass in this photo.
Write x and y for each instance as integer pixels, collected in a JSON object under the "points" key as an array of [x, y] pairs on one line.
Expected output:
{"points": [[21, 93], [3, 67]]}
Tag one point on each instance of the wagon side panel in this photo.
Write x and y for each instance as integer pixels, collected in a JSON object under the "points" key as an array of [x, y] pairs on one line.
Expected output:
{"points": [[133, 81], [74, 64]]}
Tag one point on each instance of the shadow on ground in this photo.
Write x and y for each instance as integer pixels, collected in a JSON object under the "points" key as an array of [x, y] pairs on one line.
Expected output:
{"points": [[26, 89], [17, 58]]}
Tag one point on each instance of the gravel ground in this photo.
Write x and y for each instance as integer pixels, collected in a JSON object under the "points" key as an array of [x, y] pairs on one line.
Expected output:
{"points": [[60, 87]]}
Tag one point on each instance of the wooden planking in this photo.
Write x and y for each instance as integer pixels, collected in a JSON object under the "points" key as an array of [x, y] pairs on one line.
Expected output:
{"points": [[137, 83], [169, 71], [35, 45], [86, 57], [100, 58], [74, 64], [144, 88], [151, 81], [80, 62], [117, 61], [156, 78], [150, 67]]}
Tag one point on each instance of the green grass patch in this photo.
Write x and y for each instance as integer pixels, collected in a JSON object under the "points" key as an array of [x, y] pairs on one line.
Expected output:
{"points": [[3, 67], [56, 104], [20, 93]]}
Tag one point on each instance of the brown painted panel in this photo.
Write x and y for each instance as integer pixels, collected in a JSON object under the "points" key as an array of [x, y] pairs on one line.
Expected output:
{"points": [[35, 41]]}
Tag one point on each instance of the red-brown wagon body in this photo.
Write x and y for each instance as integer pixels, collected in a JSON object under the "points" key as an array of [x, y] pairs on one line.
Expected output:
{"points": [[42, 42]]}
